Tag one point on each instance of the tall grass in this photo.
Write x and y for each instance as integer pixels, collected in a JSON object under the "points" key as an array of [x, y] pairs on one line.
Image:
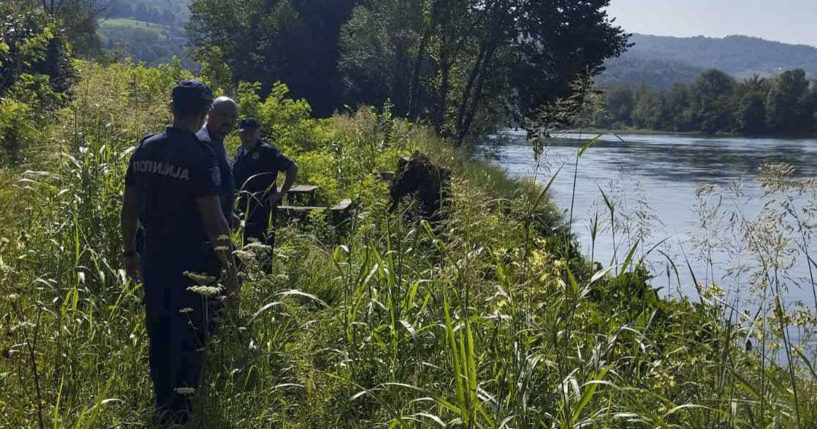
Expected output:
{"points": [[489, 319]]}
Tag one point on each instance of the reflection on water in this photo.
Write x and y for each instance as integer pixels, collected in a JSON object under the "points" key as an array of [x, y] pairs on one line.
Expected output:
{"points": [[655, 180]]}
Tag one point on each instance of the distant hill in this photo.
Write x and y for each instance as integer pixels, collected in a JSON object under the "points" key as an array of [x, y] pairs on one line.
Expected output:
{"points": [[630, 70], [661, 61], [151, 31]]}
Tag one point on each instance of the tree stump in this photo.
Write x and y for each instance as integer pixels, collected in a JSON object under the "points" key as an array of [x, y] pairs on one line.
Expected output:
{"points": [[419, 180]]}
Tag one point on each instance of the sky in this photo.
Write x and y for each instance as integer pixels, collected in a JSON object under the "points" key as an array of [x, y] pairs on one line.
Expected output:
{"points": [[789, 21]]}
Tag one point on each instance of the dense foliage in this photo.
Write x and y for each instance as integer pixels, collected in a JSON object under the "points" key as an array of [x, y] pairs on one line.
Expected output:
{"points": [[268, 41], [76, 18], [473, 65], [489, 319], [716, 103], [462, 66], [35, 72], [634, 70]]}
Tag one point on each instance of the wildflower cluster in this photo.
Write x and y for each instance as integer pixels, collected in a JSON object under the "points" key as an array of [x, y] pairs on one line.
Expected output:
{"points": [[208, 291]]}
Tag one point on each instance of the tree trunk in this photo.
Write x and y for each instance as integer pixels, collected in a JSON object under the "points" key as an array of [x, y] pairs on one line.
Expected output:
{"points": [[439, 115], [477, 98], [415, 79], [466, 93]]}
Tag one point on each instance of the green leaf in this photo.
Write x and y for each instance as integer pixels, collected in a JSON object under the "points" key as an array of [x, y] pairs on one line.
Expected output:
{"points": [[588, 144], [589, 391], [546, 189], [629, 258], [607, 201], [4, 47], [601, 273], [652, 248]]}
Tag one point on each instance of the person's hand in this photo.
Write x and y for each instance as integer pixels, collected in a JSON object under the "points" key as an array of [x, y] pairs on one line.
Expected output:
{"points": [[275, 198], [133, 267]]}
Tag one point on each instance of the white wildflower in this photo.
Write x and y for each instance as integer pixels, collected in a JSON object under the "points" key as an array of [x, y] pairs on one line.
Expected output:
{"points": [[257, 247], [202, 279], [185, 310], [210, 291], [185, 390], [245, 256]]}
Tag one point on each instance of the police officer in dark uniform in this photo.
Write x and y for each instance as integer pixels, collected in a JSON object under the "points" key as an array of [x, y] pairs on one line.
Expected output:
{"points": [[172, 190], [256, 169], [221, 120]]}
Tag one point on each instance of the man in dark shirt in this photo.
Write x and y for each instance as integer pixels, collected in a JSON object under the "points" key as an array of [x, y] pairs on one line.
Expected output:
{"points": [[256, 169], [172, 189], [221, 120]]}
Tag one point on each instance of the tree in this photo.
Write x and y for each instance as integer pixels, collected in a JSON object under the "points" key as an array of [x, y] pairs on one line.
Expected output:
{"points": [[31, 45], [620, 105], [649, 109], [712, 98], [78, 19], [558, 41], [368, 64], [750, 114], [35, 69], [789, 106], [265, 41], [679, 108], [715, 103], [476, 63]]}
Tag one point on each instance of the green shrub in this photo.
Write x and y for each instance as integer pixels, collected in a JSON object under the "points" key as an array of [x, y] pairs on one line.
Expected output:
{"points": [[16, 130]]}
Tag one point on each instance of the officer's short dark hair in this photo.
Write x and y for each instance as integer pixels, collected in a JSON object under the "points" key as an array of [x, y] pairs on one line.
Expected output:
{"points": [[191, 97], [248, 123]]}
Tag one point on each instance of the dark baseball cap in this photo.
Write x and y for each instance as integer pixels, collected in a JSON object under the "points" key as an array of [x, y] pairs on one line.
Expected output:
{"points": [[248, 123], [192, 96]]}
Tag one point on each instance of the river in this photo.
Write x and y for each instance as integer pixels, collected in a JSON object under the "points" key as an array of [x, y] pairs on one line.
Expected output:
{"points": [[682, 193]]}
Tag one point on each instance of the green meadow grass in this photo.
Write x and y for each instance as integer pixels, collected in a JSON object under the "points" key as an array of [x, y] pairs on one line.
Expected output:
{"points": [[489, 319], [131, 23]]}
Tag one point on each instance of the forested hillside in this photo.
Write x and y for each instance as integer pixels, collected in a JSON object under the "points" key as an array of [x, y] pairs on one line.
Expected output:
{"points": [[657, 73], [661, 61]]}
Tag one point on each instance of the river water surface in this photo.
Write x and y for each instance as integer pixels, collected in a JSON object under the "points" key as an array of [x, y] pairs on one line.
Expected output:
{"points": [[656, 183]]}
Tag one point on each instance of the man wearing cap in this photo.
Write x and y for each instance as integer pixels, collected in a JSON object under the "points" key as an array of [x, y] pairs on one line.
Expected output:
{"points": [[221, 120], [172, 189], [256, 169]]}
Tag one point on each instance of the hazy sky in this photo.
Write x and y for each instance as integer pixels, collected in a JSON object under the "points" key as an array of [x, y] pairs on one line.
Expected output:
{"points": [[790, 21]]}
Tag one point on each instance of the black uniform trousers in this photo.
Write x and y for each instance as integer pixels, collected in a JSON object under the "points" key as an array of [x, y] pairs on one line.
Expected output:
{"points": [[260, 223], [178, 321]]}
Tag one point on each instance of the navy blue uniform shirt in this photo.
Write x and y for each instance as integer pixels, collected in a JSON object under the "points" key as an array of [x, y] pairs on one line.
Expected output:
{"points": [[256, 170], [169, 171], [227, 193]]}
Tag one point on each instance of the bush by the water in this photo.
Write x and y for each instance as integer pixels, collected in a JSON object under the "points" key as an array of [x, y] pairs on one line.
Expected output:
{"points": [[488, 319]]}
